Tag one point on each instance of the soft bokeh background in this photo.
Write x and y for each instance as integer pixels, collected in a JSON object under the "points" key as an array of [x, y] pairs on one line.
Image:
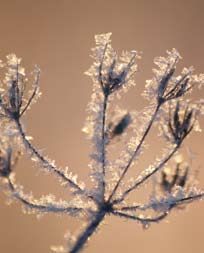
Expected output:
{"points": [[57, 35]]}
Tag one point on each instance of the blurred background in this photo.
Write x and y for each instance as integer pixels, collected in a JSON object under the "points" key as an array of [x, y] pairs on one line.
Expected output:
{"points": [[57, 36]]}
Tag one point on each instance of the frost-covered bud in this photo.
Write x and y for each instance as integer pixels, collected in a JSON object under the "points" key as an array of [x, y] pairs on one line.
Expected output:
{"points": [[181, 122], [164, 86], [13, 102], [117, 75], [181, 86], [15, 83], [109, 70]]}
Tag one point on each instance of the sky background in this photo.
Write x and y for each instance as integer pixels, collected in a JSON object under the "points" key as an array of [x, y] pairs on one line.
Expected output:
{"points": [[57, 36]]}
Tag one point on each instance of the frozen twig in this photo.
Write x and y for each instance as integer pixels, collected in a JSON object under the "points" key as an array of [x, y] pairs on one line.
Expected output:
{"points": [[112, 75]]}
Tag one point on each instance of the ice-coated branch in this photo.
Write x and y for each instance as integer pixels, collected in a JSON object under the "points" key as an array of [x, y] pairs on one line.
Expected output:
{"points": [[112, 75], [43, 205], [144, 221], [103, 155], [165, 204], [45, 163], [34, 92], [147, 174], [135, 152]]}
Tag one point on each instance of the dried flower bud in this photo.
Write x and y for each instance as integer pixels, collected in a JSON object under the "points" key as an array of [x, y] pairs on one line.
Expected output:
{"points": [[119, 128], [111, 71], [13, 101], [181, 123], [164, 85], [116, 77]]}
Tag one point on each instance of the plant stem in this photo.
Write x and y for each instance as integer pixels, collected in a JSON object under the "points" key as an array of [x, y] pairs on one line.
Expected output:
{"points": [[45, 162], [82, 239], [103, 142], [135, 152], [137, 184]]}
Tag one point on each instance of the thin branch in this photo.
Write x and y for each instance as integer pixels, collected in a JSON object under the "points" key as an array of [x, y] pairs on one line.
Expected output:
{"points": [[142, 220], [172, 203], [135, 152], [104, 141], [137, 184], [101, 67], [188, 199], [45, 162], [130, 208], [36, 84], [39, 207]]}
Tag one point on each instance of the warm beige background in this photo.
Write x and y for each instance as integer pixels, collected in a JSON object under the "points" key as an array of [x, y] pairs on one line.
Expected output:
{"points": [[57, 35]]}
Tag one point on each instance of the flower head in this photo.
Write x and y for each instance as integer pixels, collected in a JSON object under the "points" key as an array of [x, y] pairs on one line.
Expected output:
{"points": [[181, 120], [109, 70], [13, 101], [164, 86]]}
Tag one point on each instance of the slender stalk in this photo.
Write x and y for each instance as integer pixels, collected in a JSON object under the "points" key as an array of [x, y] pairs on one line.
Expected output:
{"points": [[135, 152], [30, 99], [172, 204], [82, 239], [34, 93], [46, 163], [34, 203], [137, 184], [104, 143], [143, 220]]}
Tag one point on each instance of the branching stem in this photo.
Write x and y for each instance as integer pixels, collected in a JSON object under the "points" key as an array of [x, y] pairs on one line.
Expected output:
{"points": [[135, 152], [45, 162], [35, 90], [39, 207], [137, 184]]}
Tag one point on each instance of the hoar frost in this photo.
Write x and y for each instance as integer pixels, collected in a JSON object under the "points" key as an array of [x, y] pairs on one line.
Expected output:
{"points": [[106, 126]]}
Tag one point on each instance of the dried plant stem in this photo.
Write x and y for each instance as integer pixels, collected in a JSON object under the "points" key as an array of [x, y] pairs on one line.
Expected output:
{"points": [[35, 90], [136, 185], [33, 204], [135, 152], [90, 229], [45, 163], [143, 220], [104, 142]]}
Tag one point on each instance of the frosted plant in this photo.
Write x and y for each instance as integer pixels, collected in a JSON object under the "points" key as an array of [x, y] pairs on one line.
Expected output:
{"points": [[170, 109]]}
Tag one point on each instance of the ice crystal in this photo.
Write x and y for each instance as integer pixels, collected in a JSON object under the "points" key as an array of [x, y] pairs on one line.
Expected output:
{"points": [[106, 126]]}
